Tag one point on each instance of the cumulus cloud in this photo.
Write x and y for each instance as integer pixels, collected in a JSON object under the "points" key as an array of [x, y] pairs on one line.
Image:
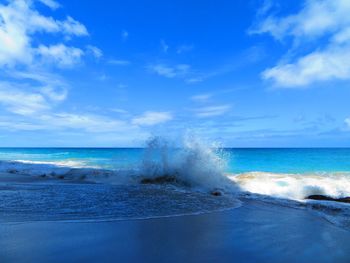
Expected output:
{"points": [[29, 91], [329, 64], [325, 24], [150, 118], [19, 22]]}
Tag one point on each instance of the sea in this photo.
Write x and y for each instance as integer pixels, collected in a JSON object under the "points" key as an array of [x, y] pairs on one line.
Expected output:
{"points": [[167, 179]]}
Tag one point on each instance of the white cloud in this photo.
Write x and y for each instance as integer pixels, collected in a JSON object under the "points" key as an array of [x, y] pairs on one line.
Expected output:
{"points": [[60, 54], [212, 111], [21, 102], [72, 27], [54, 94], [330, 64], [31, 92], [51, 3], [150, 118], [95, 51], [322, 23], [50, 85], [19, 21], [179, 70], [316, 18]]}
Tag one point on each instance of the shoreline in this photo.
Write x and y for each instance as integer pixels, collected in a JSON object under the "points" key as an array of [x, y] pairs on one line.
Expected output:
{"points": [[254, 232]]}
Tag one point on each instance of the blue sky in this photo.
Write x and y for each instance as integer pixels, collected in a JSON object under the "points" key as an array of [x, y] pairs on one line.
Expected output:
{"points": [[244, 73]]}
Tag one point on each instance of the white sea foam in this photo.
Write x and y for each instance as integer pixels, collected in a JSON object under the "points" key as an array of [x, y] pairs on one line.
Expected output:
{"points": [[295, 186], [190, 162], [199, 166]]}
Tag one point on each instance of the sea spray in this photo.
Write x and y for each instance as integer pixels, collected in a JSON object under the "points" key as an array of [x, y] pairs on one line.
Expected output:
{"points": [[191, 162]]}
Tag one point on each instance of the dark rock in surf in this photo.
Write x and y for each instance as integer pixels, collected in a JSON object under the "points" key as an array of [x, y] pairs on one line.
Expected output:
{"points": [[328, 198], [165, 179], [159, 180], [216, 193], [12, 171]]}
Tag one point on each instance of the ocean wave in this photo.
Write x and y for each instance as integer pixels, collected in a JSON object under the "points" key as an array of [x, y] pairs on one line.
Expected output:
{"points": [[294, 190], [295, 186], [191, 164], [197, 167]]}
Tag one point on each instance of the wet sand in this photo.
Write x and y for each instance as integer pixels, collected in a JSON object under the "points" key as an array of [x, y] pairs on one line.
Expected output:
{"points": [[255, 232]]}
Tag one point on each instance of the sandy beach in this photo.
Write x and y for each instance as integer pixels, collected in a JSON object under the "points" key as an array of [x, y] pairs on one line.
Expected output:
{"points": [[255, 232]]}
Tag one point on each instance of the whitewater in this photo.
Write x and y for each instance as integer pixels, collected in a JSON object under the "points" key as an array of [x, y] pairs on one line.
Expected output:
{"points": [[168, 179]]}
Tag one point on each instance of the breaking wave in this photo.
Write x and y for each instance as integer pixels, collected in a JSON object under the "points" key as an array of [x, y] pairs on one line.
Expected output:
{"points": [[190, 163], [295, 186], [194, 168], [170, 180]]}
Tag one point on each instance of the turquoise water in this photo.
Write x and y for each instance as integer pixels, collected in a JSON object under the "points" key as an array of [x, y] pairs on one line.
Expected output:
{"points": [[238, 160]]}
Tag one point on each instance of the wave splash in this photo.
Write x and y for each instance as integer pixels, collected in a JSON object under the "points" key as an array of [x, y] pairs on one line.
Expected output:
{"points": [[190, 163], [179, 176]]}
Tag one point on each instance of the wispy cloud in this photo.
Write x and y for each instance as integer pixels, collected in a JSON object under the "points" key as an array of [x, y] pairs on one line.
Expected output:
{"points": [[184, 48], [95, 51], [119, 62], [51, 3], [201, 97], [125, 35], [179, 70], [60, 54], [21, 102], [164, 46], [347, 122], [325, 21], [88, 122], [151, 118], [212, 111]]}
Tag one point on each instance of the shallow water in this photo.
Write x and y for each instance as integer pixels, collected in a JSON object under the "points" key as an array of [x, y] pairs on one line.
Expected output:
{"points": [[272, 175], [102, 202]]}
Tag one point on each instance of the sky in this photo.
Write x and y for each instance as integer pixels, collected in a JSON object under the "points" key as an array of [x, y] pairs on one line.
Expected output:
{"points": [[245, 73]]}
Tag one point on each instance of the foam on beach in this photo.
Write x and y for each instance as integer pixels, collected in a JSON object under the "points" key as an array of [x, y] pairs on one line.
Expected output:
{"points": [[196, 169], [295, 186]]}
